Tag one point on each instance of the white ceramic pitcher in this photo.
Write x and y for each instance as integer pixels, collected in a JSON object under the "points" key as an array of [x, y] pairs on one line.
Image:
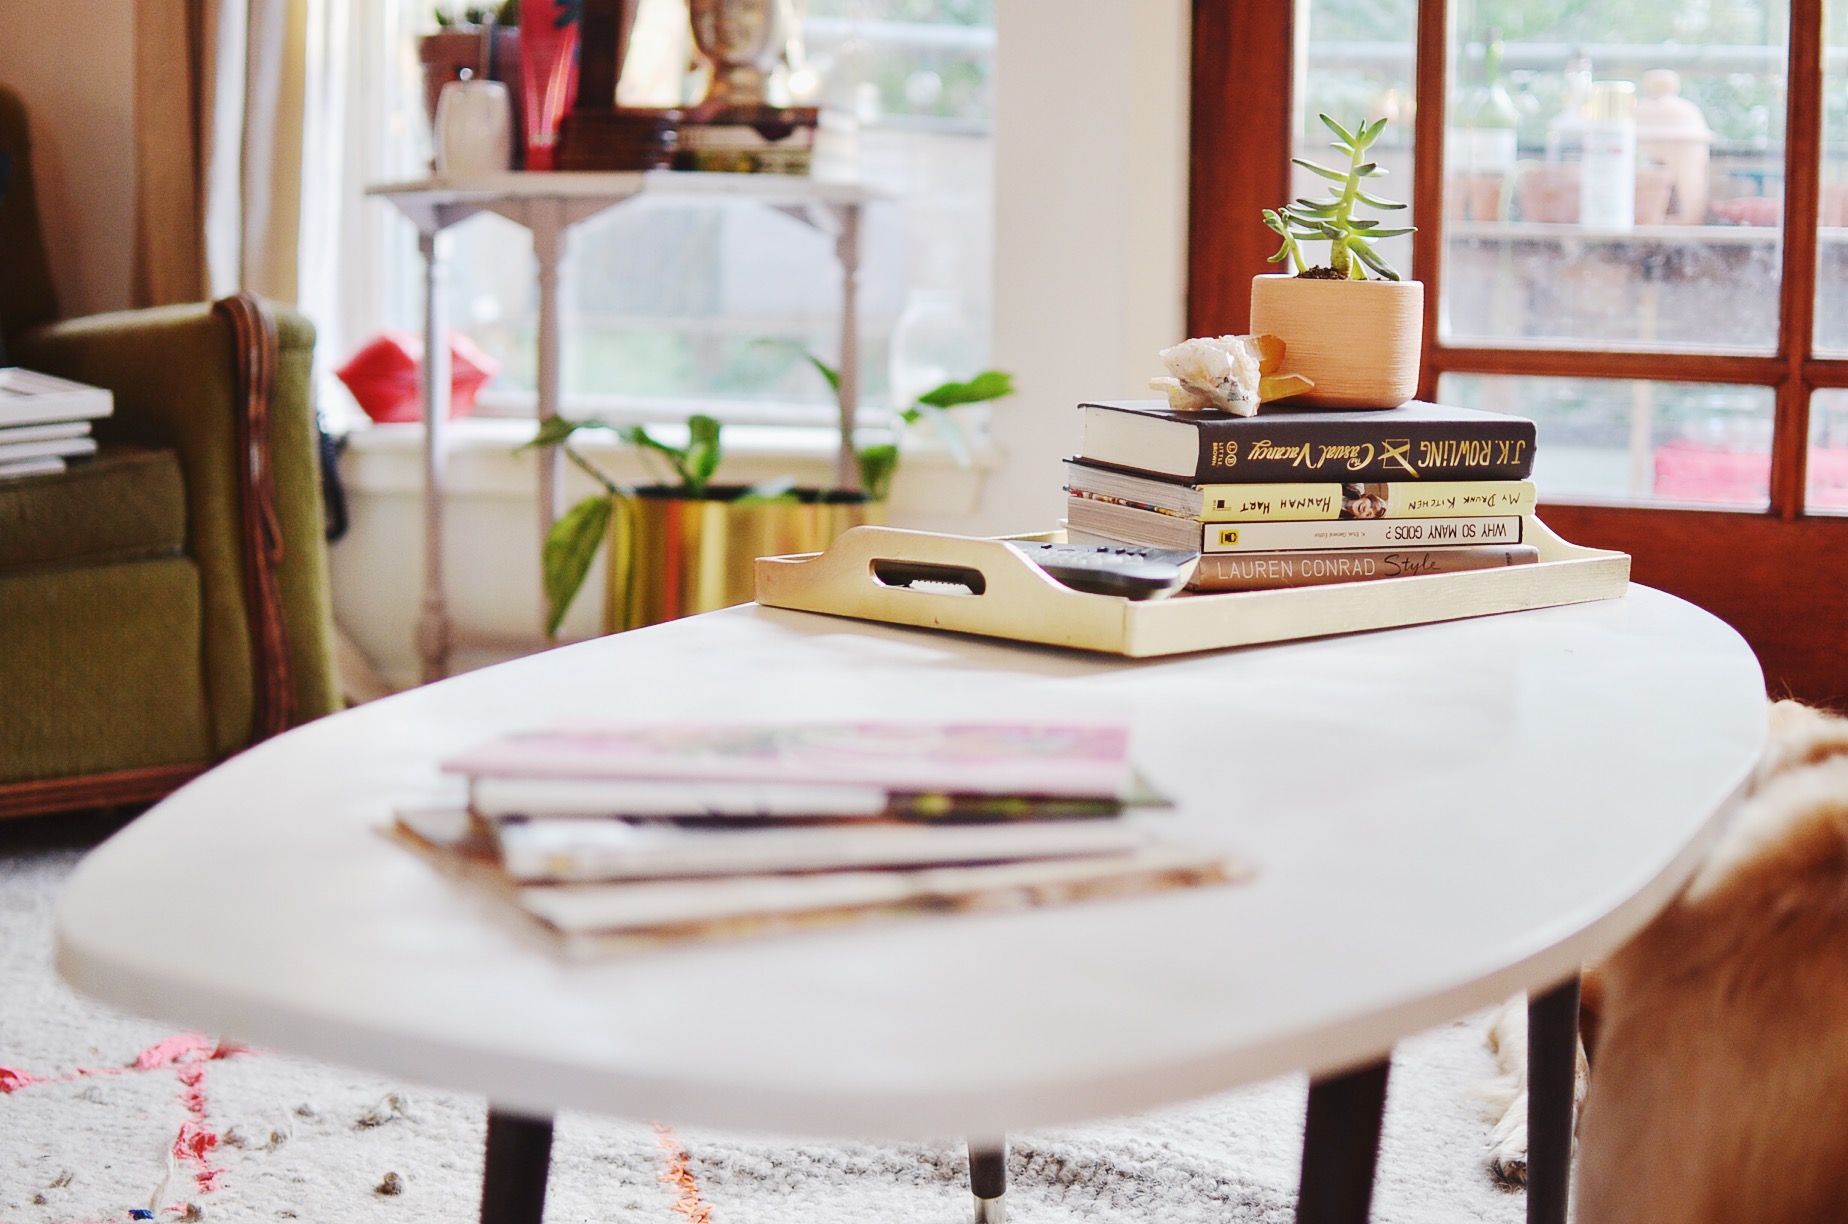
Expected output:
{"points": [[474, 129]]}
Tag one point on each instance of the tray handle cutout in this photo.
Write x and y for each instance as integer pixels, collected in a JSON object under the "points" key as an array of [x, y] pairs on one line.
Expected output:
{"points": [[892, 572]]}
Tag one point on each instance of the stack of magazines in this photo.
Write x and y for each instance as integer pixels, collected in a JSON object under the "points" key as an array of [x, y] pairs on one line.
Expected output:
{"points": [[611, 836], [45, 421]]}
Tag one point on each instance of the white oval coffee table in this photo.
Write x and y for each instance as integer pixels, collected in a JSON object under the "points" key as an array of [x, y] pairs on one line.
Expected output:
{"points": [[1438, 816]]}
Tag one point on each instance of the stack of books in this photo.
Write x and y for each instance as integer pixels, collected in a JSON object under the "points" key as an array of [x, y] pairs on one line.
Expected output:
{"points": [[45, 421], [1302, 497], [609, 837]]}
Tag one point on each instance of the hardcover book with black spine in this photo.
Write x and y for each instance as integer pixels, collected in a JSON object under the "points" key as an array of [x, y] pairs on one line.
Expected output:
{"points": [[1417, 441]]}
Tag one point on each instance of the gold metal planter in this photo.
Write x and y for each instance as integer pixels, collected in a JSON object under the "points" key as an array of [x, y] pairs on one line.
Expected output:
{"points": [[672, 556]]}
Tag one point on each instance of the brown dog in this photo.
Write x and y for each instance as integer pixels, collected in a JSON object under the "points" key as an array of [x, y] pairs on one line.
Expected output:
{"points": [[1719, 1085]]}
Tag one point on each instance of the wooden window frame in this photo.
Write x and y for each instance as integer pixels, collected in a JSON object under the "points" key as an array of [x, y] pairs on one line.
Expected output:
{"points": [[1779, 576]]}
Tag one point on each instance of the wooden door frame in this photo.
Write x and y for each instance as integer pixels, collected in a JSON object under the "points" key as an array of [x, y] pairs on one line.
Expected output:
{"points": [[1780, 577]]}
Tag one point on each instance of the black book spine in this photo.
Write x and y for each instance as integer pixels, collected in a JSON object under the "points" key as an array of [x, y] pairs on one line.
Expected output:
{"points": [[1233, 451]]}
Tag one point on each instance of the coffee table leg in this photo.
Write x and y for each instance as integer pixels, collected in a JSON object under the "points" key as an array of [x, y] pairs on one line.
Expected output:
{"points": [[988, 1181], [513, 1179], [1552, 1068], [1341, 1145]]}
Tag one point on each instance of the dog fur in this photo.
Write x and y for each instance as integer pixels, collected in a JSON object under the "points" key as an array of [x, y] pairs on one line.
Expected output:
{"points": [[1718, 1036]]}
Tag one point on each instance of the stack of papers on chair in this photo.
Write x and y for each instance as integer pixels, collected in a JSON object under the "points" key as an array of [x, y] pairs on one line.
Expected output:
{"points": [[45, 421], [607, 836]]}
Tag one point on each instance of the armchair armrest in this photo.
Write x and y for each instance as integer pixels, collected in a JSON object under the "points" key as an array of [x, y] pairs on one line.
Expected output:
{"points": [[226, 389]]}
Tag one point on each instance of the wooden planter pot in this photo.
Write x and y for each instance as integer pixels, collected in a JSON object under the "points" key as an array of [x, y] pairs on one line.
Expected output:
{"points": [[1359, 341], [672, 556]]}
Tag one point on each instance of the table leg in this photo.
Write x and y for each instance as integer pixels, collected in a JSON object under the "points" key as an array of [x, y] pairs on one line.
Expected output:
{"points": [[847, 251], [433, 616], [1552, 1069], [1341, 1145], [548, 220], [513, 1179], [988, 1181]]}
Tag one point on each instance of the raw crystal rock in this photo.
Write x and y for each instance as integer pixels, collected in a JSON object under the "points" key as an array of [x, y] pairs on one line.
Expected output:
{"points": [[1214, 372]]}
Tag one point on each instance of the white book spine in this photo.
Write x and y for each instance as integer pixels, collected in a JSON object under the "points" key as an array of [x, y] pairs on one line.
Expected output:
{"points": [[31, 467], [43, 433], [30, 398], [66, 447], [645, 797], [1362, 533], [615, 850]]}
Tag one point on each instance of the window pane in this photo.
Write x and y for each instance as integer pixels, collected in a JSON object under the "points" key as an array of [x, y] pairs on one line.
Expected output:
{"points": [[1828, 456], [1358, 65], [1629, 441], [1614, 174], [1831, 331], [664, 302]]}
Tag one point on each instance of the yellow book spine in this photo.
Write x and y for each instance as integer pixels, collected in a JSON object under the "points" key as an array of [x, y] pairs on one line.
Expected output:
{"points": [[1284, 503]]}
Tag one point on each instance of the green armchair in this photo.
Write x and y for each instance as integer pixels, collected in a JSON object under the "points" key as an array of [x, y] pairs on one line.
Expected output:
{"points": [[164, 604]]}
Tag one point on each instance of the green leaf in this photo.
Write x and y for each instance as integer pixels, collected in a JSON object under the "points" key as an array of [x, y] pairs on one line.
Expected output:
{"points": [[1319, 208], [1392, 233], [1374, 201], [642, 440], [702, 454], [1374, 260], [570, 547], [556, 429], [827, 371], [878, 464], [1372, 134], [1370, 170], [1274, 220], [1336, 128], [1339, 176], [988, 385], [776, 489]]}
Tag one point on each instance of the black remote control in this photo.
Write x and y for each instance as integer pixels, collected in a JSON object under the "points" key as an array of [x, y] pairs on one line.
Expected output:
{"points": [[1112, 569]]}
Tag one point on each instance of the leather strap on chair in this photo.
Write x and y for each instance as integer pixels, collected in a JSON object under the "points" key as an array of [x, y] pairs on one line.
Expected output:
{"points": [[253, 333]]}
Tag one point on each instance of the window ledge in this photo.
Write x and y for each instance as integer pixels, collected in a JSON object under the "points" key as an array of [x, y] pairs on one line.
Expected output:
{"points": [[483, 459]]}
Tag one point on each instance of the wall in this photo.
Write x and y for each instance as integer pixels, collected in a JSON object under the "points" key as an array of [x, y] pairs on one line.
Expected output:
{"points": [[1091, 226], [74, 66]]}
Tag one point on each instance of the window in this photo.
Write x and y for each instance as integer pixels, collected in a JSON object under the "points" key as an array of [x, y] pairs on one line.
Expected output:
{"points": [[1631, 229], [665, 301]]}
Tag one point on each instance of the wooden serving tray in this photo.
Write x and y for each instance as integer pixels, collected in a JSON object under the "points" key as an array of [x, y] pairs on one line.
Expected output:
{"points": [[1018, 600]]}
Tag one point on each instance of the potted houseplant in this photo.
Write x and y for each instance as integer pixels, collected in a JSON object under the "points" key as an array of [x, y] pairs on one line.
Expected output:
{"points": [[1357, 337], [684, 544]]}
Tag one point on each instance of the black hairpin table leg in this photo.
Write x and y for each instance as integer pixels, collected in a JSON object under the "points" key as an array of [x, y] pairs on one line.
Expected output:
{"points": [[988, 1181], [513, 1179], [1341, 1145], [1552, 1069]]}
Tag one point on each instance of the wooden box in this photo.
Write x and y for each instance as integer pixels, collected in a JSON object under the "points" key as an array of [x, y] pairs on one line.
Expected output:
{"points": [[1018, 600]]}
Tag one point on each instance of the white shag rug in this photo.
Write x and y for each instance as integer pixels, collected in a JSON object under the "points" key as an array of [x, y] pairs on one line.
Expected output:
{"points": [[104, 1117]]}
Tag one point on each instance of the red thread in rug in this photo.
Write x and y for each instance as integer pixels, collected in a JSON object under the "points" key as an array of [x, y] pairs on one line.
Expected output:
{"points": [[13, 1081], [679, 1174], [193, 1146], [187, 1054]]}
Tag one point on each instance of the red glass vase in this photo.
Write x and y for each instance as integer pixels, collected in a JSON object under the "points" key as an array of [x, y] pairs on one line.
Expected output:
{"points": [[548, 67]]}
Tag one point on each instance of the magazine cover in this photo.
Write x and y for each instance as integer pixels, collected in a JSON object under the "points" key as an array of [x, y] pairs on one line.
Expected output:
{"points": [[974, 758]]}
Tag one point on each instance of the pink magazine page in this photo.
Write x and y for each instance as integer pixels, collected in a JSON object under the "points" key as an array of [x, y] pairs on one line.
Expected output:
{"points": [[965, 758]]}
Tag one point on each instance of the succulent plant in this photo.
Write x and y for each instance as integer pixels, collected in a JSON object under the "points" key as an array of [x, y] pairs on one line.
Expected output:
{"points": [[1350, 239]]}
